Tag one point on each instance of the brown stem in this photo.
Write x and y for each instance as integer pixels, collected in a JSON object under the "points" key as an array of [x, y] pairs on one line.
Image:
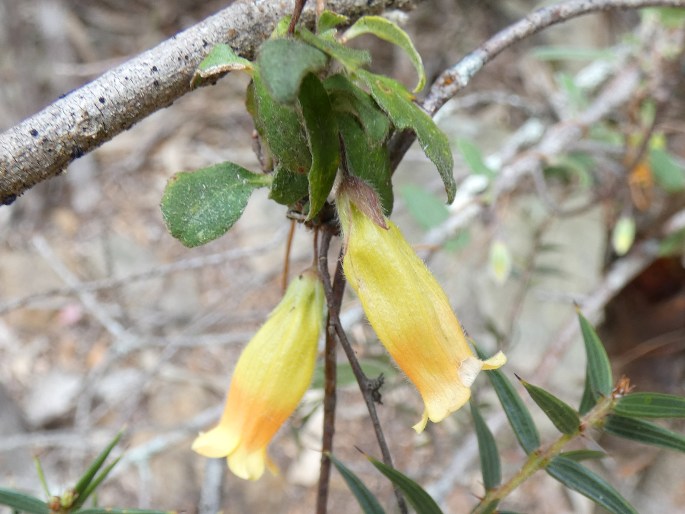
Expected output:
{"points": [[297, 12], [288, 249]]}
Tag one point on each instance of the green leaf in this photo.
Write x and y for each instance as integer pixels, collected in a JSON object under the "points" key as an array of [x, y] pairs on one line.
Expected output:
{"points": [[288, 187], [667, 172], [562, 415], [395, 100], [201, 205], [346, 97], [580, 455], [473, 158], [329, 20], [322, 134], [95, 466], [487, 448], [644, 432], [21, 502], [673, 244], [370, 163], [598, 381], [81, 499], [651, 405], [280, 128], [283, 64], [366, 499], [518, 415], [425, 207], [577, 477], [390, 32], [350, 58], [415, 494], [220, 60]]}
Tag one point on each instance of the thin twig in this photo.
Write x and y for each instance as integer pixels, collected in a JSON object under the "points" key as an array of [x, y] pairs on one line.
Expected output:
{"points": [[286, 258], [297, 12]]}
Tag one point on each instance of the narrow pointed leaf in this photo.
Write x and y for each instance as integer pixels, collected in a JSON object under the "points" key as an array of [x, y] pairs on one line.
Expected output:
{"points": [[351, 58], [598, 380], [220, 60], [517, 413], [644, 432], [577, 477], [322, 134], [347, 97], [559, 413], [415, 494], [587, 401], [396, 101], [370, 163], [651, 405], [95, 484], [200, 206], [95, 466], [367, 501], [280, 128], [487, 448], [283, 64], [21, 502], [329, 20], [390, 32], [580, 455]]}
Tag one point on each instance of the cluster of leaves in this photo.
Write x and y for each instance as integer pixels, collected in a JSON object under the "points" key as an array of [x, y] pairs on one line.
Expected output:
{"points": [[73, 500], [317, 109], [603, 407]]}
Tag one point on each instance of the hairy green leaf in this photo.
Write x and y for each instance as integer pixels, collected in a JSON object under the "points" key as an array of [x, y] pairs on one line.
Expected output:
{"points": [[370, 163], [322, 135], [598, 380], [487, 448], [220, 60], [564, 417], [283, 64], [288, 187], [350, 58], [329, 20], [366, 499], [577, 477], [201, 205], [390, 32], [651, 405], [415, 494], [21, 502], [517, 413], [395, 100], [644, 432]]}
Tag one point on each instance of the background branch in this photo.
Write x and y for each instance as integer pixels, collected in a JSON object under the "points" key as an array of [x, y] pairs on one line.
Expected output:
{"points": [[43, 145]]}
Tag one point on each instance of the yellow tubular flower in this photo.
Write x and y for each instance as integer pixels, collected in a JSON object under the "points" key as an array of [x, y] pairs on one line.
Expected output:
{"points": [[272, 374], [409, 312]]}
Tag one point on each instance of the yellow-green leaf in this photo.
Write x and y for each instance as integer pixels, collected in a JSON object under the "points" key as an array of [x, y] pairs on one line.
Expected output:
{"points": [[220, 60], [623, 235]]}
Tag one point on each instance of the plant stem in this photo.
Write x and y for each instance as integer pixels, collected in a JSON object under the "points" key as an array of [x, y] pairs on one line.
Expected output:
{"points": [[540, 458]]}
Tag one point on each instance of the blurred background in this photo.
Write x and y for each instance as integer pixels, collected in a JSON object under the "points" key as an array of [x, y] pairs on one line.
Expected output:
{"points": [[106, 321]]}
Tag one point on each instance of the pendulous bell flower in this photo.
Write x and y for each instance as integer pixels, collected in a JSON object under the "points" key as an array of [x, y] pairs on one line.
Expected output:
{"points": [[406, 306], [270, 378]]}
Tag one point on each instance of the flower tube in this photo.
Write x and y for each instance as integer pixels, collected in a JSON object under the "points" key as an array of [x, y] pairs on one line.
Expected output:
{"points": [[270, 378], [407, 308]]}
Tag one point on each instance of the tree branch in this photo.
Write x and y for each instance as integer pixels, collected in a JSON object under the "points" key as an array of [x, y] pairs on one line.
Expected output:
{"points": [[43, 145]]}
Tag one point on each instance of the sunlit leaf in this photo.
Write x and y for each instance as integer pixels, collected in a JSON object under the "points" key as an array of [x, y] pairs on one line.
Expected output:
{"points": [[487, 449], [415, 494], [283, 63], [367, 501], [651, 405], [517, 413], [577, 477], [322, 134], [559, 413], [220, 60], [390, 32], [644, 432], [396, 101], [351, 58], [201, 205], [598, 380], [370, 163]]}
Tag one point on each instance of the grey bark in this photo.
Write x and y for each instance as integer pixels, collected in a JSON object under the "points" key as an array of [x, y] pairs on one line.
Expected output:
{"points": [[43, 145]]}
